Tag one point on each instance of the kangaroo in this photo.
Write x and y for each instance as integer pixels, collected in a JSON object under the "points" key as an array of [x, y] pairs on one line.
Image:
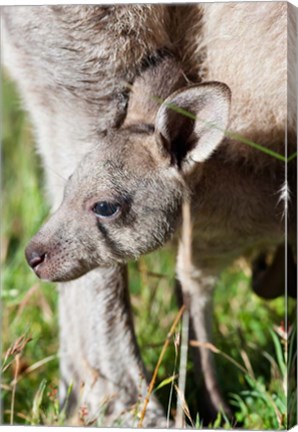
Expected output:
{"points": [[142, 160], [126, 196]]}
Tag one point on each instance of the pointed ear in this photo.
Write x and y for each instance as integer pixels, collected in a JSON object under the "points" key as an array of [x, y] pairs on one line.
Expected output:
{"points": [[190, 123]]}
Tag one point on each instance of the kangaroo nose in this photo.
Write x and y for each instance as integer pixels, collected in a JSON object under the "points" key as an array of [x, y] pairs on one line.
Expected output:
{"points": [[34, 258]]}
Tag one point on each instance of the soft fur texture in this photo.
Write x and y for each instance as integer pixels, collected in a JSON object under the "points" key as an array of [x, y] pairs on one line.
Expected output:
{"points": [[83, 71]]}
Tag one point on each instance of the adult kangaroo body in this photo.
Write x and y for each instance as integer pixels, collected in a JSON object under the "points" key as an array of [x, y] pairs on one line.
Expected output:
{"points": [[72, 65]]}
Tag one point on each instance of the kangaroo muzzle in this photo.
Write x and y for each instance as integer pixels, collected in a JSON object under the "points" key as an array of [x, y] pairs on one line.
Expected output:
{"points": [[36, 257]]}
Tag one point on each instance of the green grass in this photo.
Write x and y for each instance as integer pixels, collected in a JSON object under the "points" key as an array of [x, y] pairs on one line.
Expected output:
{"points": [[252, 369]]}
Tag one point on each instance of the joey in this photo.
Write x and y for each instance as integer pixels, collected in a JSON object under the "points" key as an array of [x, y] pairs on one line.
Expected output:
{"points": [[125, 197]]}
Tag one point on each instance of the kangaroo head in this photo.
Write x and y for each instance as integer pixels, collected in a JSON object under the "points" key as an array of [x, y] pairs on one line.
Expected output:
{"points": [[125, 197]]}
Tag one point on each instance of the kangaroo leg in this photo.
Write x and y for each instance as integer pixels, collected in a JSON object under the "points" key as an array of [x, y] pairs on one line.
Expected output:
{"points": [[99, 354], [199, 302], [197, 288], [207, 408], [197, 277], [201, 310]]}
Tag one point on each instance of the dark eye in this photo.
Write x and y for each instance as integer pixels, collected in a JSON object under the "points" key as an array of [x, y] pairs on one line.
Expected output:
{"points": [[106, 209]]}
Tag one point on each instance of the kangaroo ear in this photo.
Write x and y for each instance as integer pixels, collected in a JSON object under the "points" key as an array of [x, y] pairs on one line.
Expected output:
{"points": [[190, 123]]}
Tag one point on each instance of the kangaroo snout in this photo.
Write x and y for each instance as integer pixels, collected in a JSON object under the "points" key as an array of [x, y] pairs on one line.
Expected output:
{"points": [[35, 256], [61, 250], [48, 258]]}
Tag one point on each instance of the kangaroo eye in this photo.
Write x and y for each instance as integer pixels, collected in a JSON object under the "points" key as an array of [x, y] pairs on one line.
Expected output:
{"points": [[106, 209]]}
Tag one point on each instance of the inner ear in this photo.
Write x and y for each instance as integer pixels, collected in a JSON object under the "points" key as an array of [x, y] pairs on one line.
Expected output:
{"points": [[191, 122], [177, 138]]}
